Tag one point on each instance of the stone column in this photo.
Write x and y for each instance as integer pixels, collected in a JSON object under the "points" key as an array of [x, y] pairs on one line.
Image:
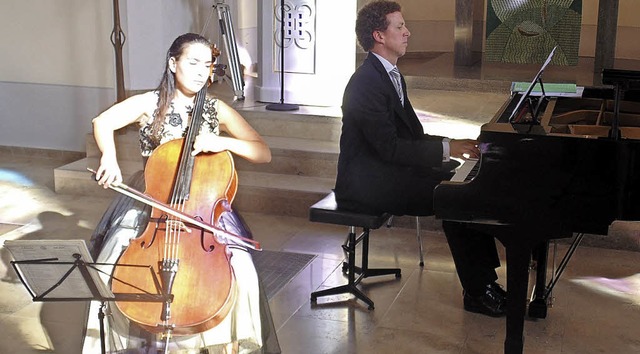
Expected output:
{"points": [[606, 35], [463, 33]]}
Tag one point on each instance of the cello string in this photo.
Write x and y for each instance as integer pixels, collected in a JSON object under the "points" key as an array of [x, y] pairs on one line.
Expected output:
{"points": [[194, 127], [182, 183]]}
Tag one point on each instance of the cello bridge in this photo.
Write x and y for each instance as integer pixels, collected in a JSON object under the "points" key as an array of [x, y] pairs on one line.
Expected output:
{"points": [[177, 226]]}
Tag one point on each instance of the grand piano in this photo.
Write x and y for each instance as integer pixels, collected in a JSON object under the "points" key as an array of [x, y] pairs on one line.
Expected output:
{"points": [[550, 167]]}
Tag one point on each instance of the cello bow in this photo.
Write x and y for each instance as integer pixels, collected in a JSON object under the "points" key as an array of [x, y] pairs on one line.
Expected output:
{"points": [[148, 200]]}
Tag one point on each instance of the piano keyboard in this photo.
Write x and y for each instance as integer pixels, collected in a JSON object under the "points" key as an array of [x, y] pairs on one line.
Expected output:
{"points": [[466, 171]]}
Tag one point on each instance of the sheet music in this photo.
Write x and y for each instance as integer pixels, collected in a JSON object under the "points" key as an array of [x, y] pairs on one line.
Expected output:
{"points": [[577, 94], [39, 277]]}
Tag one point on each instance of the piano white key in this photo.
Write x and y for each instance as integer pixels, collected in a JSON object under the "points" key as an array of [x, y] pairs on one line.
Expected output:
{"points": [[463, 170]]}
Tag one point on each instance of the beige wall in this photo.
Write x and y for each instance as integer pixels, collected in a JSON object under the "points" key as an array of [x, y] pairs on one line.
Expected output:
{"points": [[57, 42], [67, 42], [57, 65], [431, 23]]}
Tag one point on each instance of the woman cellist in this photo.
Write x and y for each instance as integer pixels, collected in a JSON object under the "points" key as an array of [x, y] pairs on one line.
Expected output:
{"points": [[164, 115]]}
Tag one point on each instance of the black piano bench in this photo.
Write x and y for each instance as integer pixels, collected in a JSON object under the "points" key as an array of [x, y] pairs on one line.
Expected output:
{"points": [[327, 211]]}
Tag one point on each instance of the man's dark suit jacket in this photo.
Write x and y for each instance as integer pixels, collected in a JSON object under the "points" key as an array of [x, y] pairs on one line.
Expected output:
{"points": [[387, 163]]}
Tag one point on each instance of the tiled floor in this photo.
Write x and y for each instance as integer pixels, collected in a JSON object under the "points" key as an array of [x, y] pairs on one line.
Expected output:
{"points": [[596, 309]]}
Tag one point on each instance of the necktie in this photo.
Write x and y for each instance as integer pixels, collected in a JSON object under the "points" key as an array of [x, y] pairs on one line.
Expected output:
{"points": [[395, 78]]}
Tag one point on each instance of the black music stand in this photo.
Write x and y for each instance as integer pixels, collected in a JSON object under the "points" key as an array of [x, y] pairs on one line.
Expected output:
{"points": [[527, 103], [68, 277]]}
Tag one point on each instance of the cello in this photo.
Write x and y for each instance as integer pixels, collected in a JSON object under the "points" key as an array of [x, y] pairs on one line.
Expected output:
{"points": [[190, 261]]}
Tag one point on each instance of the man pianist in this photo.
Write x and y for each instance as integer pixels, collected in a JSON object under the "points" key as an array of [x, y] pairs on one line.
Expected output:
{"points": [[388, 164]]}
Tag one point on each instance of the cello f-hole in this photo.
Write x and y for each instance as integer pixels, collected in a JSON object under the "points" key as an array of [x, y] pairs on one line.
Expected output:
{"points": [[162, 219], [203, 234]]}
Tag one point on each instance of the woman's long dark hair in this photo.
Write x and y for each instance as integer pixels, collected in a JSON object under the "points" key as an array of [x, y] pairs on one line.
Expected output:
{"points": [[167, 87]]}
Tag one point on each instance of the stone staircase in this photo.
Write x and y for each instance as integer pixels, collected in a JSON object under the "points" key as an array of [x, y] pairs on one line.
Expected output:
{"points": [[304, 149], [304, 146]]}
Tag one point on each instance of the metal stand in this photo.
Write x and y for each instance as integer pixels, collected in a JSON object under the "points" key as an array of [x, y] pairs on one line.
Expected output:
{"points": [[351, 270], [117, 39], [228, 35], [282, 106], [97, 295]]}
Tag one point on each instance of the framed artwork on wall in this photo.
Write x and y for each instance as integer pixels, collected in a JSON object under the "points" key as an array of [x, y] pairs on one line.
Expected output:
{"points": [[526, 31]]}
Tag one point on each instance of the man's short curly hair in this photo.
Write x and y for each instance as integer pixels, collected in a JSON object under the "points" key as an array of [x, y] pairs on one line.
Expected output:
{"points": [[373, 17]]}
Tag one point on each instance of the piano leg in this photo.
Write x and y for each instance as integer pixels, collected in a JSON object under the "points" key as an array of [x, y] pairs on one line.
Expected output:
{"points": [[517, 285], [538, 305]]}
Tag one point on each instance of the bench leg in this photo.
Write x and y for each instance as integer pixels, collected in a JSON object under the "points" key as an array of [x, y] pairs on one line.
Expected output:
{"points": [[348, 288], [364, 271], [351, 269]]}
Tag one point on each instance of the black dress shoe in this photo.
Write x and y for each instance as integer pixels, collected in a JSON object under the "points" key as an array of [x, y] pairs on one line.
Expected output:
{"points": [[490, 303], [499, 290]]}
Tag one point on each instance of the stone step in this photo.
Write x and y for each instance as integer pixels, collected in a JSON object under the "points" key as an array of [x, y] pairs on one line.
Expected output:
{"points": [[279, 194], [295, 156], [304, 148], [127, 142], [317, 123], [258, 192], [74, 178], [298, 157]]}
